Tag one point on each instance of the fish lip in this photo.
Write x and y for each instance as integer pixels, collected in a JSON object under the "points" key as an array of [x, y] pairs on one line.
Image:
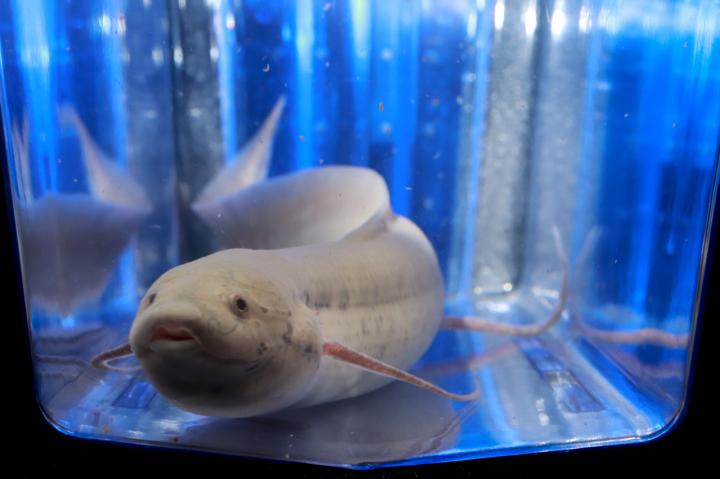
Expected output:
{"points": [[169, 337], [165, 332]]}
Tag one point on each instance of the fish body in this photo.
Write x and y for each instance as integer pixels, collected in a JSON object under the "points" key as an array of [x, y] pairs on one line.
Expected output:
{"points": [[241, 332], [380, 294]]}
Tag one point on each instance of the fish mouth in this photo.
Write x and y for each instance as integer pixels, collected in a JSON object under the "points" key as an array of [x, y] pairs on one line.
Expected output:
{"points": [[180, 339], [171, 333], [171, 338], [164, 337]]}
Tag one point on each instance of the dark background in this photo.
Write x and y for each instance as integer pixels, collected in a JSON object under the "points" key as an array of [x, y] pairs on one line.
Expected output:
{"points": [[34, 447]]}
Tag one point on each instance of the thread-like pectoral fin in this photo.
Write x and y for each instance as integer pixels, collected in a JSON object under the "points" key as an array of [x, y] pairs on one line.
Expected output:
{"points": [[356, 358], [472, 323], [102, 360]]}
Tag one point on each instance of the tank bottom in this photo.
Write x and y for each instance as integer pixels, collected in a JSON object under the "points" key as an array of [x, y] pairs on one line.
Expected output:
{"points": [[552, 392]]}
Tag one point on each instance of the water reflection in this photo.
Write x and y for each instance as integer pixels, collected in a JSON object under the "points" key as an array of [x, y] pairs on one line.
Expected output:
{"points": [[71, 241]]}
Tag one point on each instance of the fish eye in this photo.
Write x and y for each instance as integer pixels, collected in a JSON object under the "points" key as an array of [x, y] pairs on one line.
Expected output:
{"points": [[151, 298], [239, 304]]}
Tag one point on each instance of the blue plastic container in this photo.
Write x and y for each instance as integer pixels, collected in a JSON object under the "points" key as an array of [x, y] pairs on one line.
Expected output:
{"points": [[493, 122]]}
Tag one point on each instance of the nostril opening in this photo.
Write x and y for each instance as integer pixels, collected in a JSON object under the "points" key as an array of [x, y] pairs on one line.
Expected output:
{"points": [[171, 333]]}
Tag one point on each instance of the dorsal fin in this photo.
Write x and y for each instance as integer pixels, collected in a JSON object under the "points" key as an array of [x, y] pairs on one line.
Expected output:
{"points": [[377, 224], [250, 165]]}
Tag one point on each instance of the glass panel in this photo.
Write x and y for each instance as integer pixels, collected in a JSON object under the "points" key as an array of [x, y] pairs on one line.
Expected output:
{"points": [[497, 126]]}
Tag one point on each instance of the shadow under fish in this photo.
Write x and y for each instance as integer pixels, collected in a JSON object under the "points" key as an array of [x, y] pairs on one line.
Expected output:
{"points": [[395, 423]]}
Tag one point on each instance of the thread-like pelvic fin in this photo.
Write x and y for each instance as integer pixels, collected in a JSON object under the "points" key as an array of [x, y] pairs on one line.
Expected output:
{"points": [[361, 360]]}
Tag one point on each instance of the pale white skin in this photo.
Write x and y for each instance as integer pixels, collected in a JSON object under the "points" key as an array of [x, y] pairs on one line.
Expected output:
{"points": [[240, 333]]}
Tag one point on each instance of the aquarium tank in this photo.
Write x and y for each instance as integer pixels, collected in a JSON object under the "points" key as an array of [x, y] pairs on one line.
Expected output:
{"points": [[559, 158]]}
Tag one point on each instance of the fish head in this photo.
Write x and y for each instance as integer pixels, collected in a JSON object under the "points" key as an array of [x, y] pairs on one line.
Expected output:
{"points": [[226, 335]]}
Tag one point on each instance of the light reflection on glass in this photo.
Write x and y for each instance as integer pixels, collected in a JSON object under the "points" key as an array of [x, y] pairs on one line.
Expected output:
{"points": [[499, 15], [584, 21], [530, 20], [559, 19], [104, 23]]}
